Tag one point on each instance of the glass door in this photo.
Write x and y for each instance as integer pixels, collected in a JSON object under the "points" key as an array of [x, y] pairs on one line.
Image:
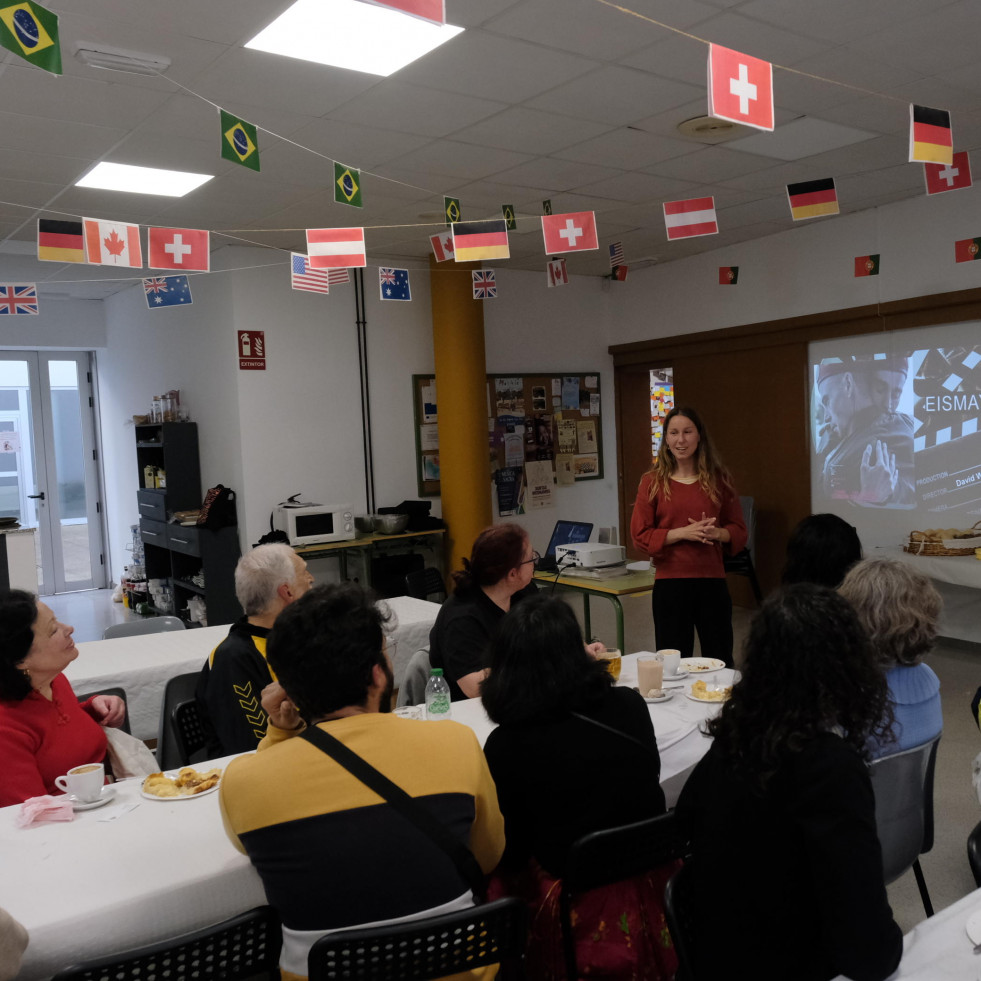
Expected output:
{"points": [[48, 472]]}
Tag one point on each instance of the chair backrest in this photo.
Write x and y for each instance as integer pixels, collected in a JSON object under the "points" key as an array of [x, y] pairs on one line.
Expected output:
{"points": [[110, 691], [903, 787], [246, 946], [188, 731], [412, 691], [682, 913], [425, 583], [974, 853], [150, 625], [749, 518], [178, 689], [419, 950]]}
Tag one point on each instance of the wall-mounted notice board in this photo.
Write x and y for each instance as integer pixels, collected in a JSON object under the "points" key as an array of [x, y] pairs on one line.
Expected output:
{"points": [[550, 420]]}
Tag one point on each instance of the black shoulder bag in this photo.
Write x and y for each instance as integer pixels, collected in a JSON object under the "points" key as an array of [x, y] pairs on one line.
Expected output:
{"points": [[407, 806]]}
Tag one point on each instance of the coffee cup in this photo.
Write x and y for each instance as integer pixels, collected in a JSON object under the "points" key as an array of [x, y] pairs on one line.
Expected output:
{"points": [[84, 782], [650, 674], [671, 661]]}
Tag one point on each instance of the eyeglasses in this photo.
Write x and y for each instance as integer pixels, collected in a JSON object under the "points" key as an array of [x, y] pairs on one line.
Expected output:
{"points": [[535, 558]]}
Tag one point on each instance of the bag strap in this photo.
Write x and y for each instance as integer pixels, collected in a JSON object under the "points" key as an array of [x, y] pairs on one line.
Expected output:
{"points": [[407, 806], [617, 732]]}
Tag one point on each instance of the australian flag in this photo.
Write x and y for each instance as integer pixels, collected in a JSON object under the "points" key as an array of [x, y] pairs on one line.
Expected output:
{"points": [[167, 291], [484, 284], [393, 284], [18, 298]]}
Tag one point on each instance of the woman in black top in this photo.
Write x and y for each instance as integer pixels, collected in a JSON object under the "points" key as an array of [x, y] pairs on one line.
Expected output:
{"points": [[786, 867], [572, 754]]}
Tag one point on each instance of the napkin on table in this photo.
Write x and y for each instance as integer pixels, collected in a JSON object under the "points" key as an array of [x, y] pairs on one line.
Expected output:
{"points": [[36, 810]]}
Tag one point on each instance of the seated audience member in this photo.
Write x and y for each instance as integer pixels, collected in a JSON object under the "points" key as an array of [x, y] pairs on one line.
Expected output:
{"points": [[821, 549], [899, 608], [267, 579], [781, 808], [44, 730], [572, 754], [497, 575], [330, 854]]}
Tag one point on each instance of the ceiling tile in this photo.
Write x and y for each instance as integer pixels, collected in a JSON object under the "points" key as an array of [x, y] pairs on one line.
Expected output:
{"points": [[558, 175], [530, 131], [628, 148]]}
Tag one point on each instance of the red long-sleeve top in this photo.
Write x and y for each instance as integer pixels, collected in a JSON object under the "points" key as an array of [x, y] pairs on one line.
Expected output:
{"points": [[652, 520]]}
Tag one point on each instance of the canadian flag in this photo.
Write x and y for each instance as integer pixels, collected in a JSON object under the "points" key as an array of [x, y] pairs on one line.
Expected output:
{"points": [[557, 273], [442, 246], [740, 88], [179, 248], [112, 243]]}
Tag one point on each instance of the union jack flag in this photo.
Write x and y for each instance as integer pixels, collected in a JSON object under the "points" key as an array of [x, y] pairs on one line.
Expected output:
{"points": [[156, 285], [18, 298], [387, 276], [484, 284]]}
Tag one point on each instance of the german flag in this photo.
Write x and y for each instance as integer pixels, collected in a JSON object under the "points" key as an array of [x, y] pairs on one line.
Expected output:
{"points": [[866, 265], [967, 249], [930, 139], [812, 199], [60, 241], [474, 240]]}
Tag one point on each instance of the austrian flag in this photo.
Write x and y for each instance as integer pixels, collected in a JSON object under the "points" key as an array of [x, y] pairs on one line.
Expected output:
{"points": [[335, 248], [691, 218], [179, 248], [740, 88]]}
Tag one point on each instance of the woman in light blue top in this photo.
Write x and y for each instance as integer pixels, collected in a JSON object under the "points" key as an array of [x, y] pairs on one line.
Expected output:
{"points": [[899, 608]]}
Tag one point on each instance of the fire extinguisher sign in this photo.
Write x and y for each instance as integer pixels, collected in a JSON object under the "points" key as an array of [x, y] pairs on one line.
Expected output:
{"points": [[252, 350]]}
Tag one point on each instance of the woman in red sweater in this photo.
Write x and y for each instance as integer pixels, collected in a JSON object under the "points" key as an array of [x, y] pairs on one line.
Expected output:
{"points": [[687, 514], [44, 731]]}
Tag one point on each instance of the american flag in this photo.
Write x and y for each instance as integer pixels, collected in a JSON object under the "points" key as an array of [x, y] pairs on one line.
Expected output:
{"points": [[616, 254], [302, 277], [484, 284], [18, 298], [337, 276]]}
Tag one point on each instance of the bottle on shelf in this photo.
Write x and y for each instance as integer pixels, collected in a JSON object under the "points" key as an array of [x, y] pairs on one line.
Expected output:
{"points": [[438, 704]]}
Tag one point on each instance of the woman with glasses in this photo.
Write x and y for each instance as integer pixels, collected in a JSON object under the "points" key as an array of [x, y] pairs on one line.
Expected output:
{"points": [[686, 517], [497, 575]]}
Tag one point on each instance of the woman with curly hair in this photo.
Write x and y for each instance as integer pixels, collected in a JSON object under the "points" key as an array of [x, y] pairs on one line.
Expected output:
{"points": [[687, 514], [781, 808], [899, 608]]}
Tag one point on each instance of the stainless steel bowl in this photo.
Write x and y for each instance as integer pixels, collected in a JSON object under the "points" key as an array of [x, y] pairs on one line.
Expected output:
{"points": [[391, 524]]}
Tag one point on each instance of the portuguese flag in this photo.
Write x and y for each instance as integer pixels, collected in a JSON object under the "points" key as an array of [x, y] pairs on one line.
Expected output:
{"points": [[930, 139], [866, 265], [967, 249], [812, 199], [728, 275]]}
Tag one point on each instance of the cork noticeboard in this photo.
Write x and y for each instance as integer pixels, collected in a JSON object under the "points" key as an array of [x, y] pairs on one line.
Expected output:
{"points": [[532, 418]]}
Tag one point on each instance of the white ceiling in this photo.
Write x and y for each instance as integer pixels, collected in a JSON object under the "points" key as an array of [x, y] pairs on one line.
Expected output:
{"points": [[571, 100]]}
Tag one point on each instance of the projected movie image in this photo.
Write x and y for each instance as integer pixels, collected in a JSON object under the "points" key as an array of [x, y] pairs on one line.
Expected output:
{"points": [[899, 427]]}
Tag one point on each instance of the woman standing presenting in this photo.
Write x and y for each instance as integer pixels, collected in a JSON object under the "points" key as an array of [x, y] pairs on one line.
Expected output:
{"points": [[687, 512]]}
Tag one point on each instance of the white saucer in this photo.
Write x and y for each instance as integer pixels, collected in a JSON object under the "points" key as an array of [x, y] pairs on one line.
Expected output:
{"points": [[663, 697], [638, 567], [108, 793], [680, 676], [973, 927]]}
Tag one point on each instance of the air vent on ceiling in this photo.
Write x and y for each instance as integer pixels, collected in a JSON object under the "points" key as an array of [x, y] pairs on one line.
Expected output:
{"points": [[118, 60], [705, 129]]}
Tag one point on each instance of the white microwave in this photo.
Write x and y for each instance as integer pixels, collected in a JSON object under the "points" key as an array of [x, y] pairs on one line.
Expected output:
{"points": [[315, 524]]}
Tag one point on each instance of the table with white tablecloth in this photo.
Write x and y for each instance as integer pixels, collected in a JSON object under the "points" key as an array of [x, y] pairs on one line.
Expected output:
{"points": [[143, 664]]}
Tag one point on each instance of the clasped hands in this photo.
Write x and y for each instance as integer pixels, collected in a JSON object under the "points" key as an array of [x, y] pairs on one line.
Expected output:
{"points": [[703, 530]]}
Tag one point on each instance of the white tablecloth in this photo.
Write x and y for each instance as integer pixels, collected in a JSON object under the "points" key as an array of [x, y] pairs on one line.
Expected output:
{"points": [[142, 665], [97, 886], [677, 725]]}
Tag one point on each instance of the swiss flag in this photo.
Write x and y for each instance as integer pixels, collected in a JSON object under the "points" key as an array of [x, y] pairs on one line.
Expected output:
{"points": [[573, 232], [948, 177], [179, 248], [557, 273], [740, 88], [442, 246]]}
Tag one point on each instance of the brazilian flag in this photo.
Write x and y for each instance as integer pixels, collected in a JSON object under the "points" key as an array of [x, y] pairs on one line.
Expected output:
{"points": [[508, 210], [347, 185], [31, 31], [239, 142], [451, 208]]}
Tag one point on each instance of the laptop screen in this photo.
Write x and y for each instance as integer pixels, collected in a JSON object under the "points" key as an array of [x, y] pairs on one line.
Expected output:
{"points": [[568, 533]]}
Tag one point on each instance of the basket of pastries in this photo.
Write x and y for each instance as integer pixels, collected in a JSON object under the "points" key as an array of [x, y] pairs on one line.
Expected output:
{"points": [[944, 541]]}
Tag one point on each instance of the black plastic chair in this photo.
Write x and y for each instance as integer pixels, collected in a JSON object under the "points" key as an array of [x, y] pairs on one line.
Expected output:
{"points": [[741, 564], [178, 689], [974, 853], [613, 855], [493, 933], [682, 913], [903, 786], [110, 691], [188, 731], [246, 946], [425, 583]]}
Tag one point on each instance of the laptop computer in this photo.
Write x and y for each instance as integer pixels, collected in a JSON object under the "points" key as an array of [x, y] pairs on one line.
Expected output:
{"points": [[564, 533]]}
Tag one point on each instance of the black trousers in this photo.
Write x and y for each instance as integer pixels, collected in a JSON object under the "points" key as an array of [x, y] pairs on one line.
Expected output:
{"points": [[682, 606]]}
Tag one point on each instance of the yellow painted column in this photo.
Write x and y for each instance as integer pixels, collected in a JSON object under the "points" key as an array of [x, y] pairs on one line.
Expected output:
{"points": [[461, 397]]}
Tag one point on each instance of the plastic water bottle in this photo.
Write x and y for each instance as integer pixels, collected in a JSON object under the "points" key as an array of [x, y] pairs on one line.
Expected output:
{"points": [[438, 696]]}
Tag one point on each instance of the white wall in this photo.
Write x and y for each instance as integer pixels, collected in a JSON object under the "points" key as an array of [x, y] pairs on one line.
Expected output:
{"points": [[67, 325]]}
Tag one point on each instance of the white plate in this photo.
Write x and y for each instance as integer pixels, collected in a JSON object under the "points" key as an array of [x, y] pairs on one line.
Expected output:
{"points": [[663, 698], [706, 701], [973, 927], [701, 665], [680, 676], [173, 776], [108, 793], [638, 567]]}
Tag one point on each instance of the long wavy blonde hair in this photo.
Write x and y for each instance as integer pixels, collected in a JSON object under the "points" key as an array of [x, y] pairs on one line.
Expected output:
{"points": [[712, 473]]}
